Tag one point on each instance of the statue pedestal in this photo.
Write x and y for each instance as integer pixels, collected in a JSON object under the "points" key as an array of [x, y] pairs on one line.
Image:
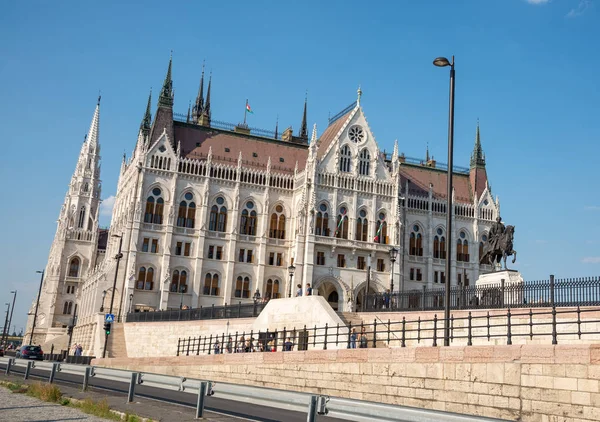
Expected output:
{"points": [[500, 289]]}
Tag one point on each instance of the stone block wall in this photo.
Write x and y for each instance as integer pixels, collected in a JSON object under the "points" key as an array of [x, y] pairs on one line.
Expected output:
{"points": [[520, 382]]}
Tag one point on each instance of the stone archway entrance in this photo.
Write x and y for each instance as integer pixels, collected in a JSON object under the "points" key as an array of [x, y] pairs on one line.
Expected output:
{"points": [[361, 295], [331, 292]]}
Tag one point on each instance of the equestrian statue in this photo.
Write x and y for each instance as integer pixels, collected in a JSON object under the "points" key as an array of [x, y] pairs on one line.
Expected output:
{"points": [[499, 245]]}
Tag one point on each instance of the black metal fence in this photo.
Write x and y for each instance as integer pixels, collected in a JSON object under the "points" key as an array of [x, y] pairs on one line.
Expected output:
{"points": [[247, 310], [551, 323], [543, 293]]}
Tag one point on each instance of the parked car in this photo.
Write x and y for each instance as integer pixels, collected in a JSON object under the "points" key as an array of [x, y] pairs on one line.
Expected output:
{"points": [[30, 352]]}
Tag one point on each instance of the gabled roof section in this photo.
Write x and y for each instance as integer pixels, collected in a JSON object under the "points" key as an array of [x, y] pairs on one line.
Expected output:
{"points": [[336, 125], [420, 178], [226, 146]]}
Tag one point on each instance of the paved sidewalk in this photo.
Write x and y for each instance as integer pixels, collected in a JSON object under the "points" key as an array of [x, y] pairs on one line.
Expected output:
{"points": [[17, 407]]}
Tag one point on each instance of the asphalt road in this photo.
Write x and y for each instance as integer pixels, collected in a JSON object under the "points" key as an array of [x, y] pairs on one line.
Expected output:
{"points": [[233, 408]]}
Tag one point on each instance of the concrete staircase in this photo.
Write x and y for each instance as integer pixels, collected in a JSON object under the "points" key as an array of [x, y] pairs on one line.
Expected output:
{"points": [[116, 347], [350, 318]]}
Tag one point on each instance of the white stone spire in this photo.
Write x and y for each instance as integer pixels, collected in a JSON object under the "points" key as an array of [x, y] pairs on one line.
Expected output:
{"points": [[93, 137]]}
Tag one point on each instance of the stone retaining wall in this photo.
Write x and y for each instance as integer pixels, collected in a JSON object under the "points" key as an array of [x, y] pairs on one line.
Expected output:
{"points": [[519, 382]]}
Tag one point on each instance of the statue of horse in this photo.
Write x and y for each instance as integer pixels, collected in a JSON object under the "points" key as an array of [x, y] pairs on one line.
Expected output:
{"points": [[503, 251]]}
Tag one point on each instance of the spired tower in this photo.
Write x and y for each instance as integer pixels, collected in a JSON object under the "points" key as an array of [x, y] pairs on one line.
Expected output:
{"points": [[74, 251]]}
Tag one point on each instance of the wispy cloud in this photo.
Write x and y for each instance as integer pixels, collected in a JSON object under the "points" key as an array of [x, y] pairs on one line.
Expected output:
{"points": [[591, 260], [537, 1], [106, 206], [579, 10], [592, 208]]}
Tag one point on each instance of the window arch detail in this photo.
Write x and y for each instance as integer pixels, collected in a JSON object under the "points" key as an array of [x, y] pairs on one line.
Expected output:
{"points": [[212, 285], [68, 308], [179, 281], [155, 205], [242, 287], [322, 221], [364, 162], [218, 216], [381, 234], [277, 223], [341, 230], [74, 267], [272, 289], [248, 219], [362, 226], [416, 241], [186, 216], [462, 247], [345, 159], [145, 279]]}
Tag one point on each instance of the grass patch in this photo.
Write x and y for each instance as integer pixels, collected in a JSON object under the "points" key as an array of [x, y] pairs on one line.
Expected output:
{"points": [[51, 393]]}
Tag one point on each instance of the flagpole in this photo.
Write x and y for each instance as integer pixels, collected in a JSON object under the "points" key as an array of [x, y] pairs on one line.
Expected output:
{"points": [[245, 111]]}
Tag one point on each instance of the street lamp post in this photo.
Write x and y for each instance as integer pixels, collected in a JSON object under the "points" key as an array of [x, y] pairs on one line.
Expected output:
{"points": [[37, 304], [393, 254], [12, 311], [181, 291], [118, 257], [6, 326], [130, 301], [443, 62], [103, 296], [291, 270]]}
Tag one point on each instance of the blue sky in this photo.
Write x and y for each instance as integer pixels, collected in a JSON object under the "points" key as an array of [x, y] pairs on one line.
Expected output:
{"points": [[527, 69]]}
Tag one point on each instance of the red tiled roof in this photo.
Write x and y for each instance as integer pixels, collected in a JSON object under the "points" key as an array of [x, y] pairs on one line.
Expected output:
{"points": [[420, 177], [329, 135], [226, 146]]}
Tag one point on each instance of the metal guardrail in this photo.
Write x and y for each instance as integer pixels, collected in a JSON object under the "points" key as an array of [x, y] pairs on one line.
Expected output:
{"points": [[311, 404], [247, 310]]}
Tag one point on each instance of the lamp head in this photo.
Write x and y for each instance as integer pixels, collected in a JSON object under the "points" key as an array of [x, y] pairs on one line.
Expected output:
{"points": [[103, 293], [130, 296], [291, 269], [393, 254], [39, 272], [441, 62]]}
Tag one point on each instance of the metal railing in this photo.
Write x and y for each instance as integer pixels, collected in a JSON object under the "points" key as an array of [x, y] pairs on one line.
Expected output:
{"points": [[246, 310], [308, 403], [551, 323], [544, 293]]}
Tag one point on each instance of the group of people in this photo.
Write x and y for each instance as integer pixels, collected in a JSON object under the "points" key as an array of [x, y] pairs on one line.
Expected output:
{"points": [[306, 292], [249, 345], [359, 338], [77, 349]]}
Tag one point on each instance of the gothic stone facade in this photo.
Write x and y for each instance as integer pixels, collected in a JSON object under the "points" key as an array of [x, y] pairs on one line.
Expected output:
{"points": [[208, 215]]}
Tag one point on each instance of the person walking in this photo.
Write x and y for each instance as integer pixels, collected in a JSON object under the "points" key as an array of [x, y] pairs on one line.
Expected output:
{"points": [[299, 291], [353, 338], [363, 341], [308, 290]]}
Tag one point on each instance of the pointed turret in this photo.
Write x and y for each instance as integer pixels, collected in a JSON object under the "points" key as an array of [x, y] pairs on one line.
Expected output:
{"points": [[303, 127], [166, 93], [163, 121], [477, 157], [277, 127], [427, 154], [199, 105], [146, 124], [205, 118], [93, 135], [478, 174], [187, 120]]}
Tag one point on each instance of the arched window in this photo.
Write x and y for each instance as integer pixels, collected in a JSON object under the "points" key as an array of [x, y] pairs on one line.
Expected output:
{"points": [[381, 235], [187, 212], [211, 285], [341, 230], [242, 287], [362, 226], [81, 219], [269, 289], [179, 281], [364, 161], [277, 224], [68, 308], [86, 187], [145, 280], [248, 220], [345, 159], [416, 242], [155, 205], [74, 267], [218, 216], [481, 243], [276, 289], [439, 244], [462, 248], [322, 223]]}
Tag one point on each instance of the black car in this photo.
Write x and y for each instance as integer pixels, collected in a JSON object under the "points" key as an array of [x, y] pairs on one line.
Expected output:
{"points": [[30, 352]]}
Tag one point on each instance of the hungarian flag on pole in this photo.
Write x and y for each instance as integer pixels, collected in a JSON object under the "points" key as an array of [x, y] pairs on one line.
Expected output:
{"points": [[340, 224], [376, 239], [248, 109]]}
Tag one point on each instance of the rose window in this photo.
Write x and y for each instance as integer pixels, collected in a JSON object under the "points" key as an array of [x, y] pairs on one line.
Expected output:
{"points": [[357, 134]]}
